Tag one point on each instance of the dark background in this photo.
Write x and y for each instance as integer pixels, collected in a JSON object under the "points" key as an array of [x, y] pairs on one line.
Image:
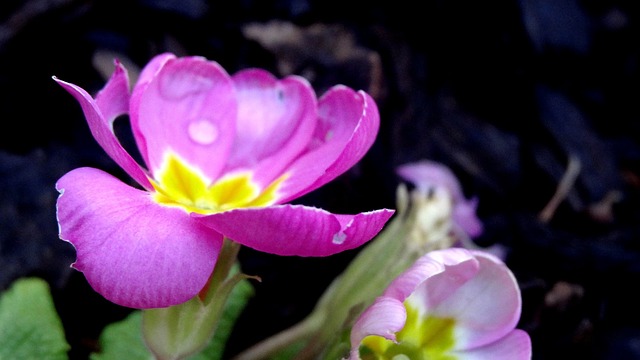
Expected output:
{"points": [[503, 92]]}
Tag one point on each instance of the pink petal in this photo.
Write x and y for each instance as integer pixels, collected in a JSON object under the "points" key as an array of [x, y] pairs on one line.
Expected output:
{"points": [[385, 317], [297, 230], [146, 75], [133, 251], [275, 122], [111, 103], [189, 107], [347, 127], [151, 70], [113, 99], [486, 307], [514, 346]]}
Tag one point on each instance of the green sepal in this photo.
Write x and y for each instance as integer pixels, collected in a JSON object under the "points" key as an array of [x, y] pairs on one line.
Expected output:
{"points": [[124, 339], [179, 331]]}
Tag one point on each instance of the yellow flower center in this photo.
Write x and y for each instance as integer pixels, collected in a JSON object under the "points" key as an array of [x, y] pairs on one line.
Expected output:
{"points": [[181, 185], [422, 338]]}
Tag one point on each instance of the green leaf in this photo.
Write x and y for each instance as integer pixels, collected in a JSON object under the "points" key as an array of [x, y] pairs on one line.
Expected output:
{"points": [[29, 324], [123, 340]]}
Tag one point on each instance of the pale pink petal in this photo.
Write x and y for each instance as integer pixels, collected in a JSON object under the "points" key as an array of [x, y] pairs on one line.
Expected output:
{"points": [[486, 307], [474, 288], [189, 108], [514, 346], [101, 127], [133, 251], [347, 126], [435, 276], [385, 317], [296, 230], [425, 173], [276, 119], [464, 216]]}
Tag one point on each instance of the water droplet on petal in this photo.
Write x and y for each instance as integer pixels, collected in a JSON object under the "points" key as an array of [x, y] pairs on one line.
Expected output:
{"points": [[328, 136], [203, 132], [339, 238]]}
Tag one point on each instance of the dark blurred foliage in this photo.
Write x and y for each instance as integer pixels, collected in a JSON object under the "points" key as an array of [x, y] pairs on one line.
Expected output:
{"points": [[512, 95]]}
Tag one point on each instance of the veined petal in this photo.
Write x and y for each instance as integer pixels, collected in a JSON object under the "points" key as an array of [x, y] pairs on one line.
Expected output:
{"points": [[514, 346], [385, 317], [296, 229], [486, 307], [188, 108], [133, 251], [347, 126], [276, 119], [101, 127]]}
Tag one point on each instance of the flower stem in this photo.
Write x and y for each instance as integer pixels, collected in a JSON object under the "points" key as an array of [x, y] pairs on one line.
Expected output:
{"points": [[289, 337], [179, 331]]}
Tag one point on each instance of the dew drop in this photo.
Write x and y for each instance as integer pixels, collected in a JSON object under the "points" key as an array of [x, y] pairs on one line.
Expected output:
{"points": [[203, 132], [339, 238]]}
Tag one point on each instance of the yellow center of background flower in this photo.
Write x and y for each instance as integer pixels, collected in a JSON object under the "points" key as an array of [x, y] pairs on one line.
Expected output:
{"points": [[422, 338], [178, 184]]}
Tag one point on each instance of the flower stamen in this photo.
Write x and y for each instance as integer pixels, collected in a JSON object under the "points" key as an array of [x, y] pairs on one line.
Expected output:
{"points": [[179, 184]]}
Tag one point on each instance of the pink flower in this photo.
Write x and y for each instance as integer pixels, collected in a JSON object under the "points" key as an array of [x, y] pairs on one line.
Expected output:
{"points": [[426, 174], [223, 155], [453, 304]]}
